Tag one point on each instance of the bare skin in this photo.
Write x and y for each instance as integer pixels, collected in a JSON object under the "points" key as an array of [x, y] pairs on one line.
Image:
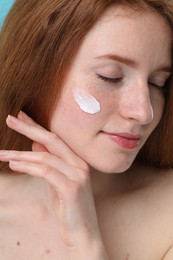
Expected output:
{"points": [[62, 208], [129, 217]]}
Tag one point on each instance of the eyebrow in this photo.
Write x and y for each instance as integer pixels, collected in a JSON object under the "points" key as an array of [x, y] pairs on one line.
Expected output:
{"points": [[131, 63]]}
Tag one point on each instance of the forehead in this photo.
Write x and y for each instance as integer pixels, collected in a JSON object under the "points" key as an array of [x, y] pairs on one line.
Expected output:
{"points": [[124, 18], [133, 33]]}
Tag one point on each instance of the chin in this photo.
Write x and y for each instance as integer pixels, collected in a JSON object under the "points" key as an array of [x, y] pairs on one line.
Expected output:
{"points": [[113, 167]]}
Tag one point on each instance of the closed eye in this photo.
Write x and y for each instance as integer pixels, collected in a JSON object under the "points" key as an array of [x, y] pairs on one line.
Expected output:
{"points": [[156, 85], [162, 86], [110, 80], [159, 87]]}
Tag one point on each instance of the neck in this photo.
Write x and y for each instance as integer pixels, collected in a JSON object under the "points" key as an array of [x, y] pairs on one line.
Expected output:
{"points": [[104, 183]]}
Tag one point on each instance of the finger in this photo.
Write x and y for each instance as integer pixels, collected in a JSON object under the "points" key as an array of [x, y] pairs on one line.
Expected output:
{"points": [[39, 147], [67, 190], [22, 116], [43, 158], [56, 179], [52, 143]]}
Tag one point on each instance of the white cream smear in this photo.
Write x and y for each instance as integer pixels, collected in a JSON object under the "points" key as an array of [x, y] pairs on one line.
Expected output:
{"points": [[86, 102]]}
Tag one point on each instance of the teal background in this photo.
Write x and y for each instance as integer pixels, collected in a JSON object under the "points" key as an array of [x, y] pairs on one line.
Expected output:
{"points": [[4, 8]]}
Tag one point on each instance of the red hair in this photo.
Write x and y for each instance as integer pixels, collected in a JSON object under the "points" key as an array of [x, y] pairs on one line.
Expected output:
{"points": [[38, 42]]}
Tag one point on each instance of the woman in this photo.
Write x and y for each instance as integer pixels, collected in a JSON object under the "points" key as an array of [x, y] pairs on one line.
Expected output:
{"points": [[87, 87]]}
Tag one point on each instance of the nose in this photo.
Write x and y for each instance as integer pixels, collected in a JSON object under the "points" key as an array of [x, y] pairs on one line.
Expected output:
{"points": [[135, 103]]}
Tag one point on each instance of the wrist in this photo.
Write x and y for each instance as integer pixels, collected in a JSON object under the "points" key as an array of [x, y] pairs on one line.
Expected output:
{"points": [[94, 250]]}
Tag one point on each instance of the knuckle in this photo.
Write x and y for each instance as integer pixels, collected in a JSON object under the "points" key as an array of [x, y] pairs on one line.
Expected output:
{"points": [[53, 137], [49, 137], [46, 170], [44, 156]]}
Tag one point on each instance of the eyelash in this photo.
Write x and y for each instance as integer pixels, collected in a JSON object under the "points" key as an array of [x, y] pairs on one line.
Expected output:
{"points": [[110, 80], [161, 88], [117, 80]]}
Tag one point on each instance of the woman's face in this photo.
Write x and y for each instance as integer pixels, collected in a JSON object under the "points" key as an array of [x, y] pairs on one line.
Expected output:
{"points": [[123, 63]]}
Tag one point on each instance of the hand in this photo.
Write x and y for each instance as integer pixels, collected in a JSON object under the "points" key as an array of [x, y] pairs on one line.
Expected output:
{"points": [[70, 185]]}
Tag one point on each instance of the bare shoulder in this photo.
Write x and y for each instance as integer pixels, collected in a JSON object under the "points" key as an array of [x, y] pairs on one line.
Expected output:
{"points": [[158, 184], [28, 228], [156, 179], [162, 180], [18, 188], [143, 213], [159, 195], [19, 193]]}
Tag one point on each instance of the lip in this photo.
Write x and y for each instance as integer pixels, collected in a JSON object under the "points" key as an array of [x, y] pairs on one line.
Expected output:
{"points": [[125, 140]]}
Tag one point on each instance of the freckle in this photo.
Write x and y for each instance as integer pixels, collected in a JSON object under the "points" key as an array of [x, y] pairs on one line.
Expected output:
{"points": [[48, 251], [127, 257], [18, 243]]}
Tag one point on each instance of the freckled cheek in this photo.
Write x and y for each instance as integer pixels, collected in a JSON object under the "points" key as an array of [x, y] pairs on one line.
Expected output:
{"points": [[107, 106], [69, 115], [83, 121]]}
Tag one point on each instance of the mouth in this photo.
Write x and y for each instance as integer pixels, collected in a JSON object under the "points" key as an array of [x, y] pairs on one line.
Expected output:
{"points": [[125, 140]]}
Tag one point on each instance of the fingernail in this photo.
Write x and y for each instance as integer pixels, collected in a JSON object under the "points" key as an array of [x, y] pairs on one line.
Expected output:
{"points": [[21, 113], [13, 163], [12, 118], [3, 152]]}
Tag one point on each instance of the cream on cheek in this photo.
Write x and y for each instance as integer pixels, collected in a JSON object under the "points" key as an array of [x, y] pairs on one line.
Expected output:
{"points": [[86, 102]]}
